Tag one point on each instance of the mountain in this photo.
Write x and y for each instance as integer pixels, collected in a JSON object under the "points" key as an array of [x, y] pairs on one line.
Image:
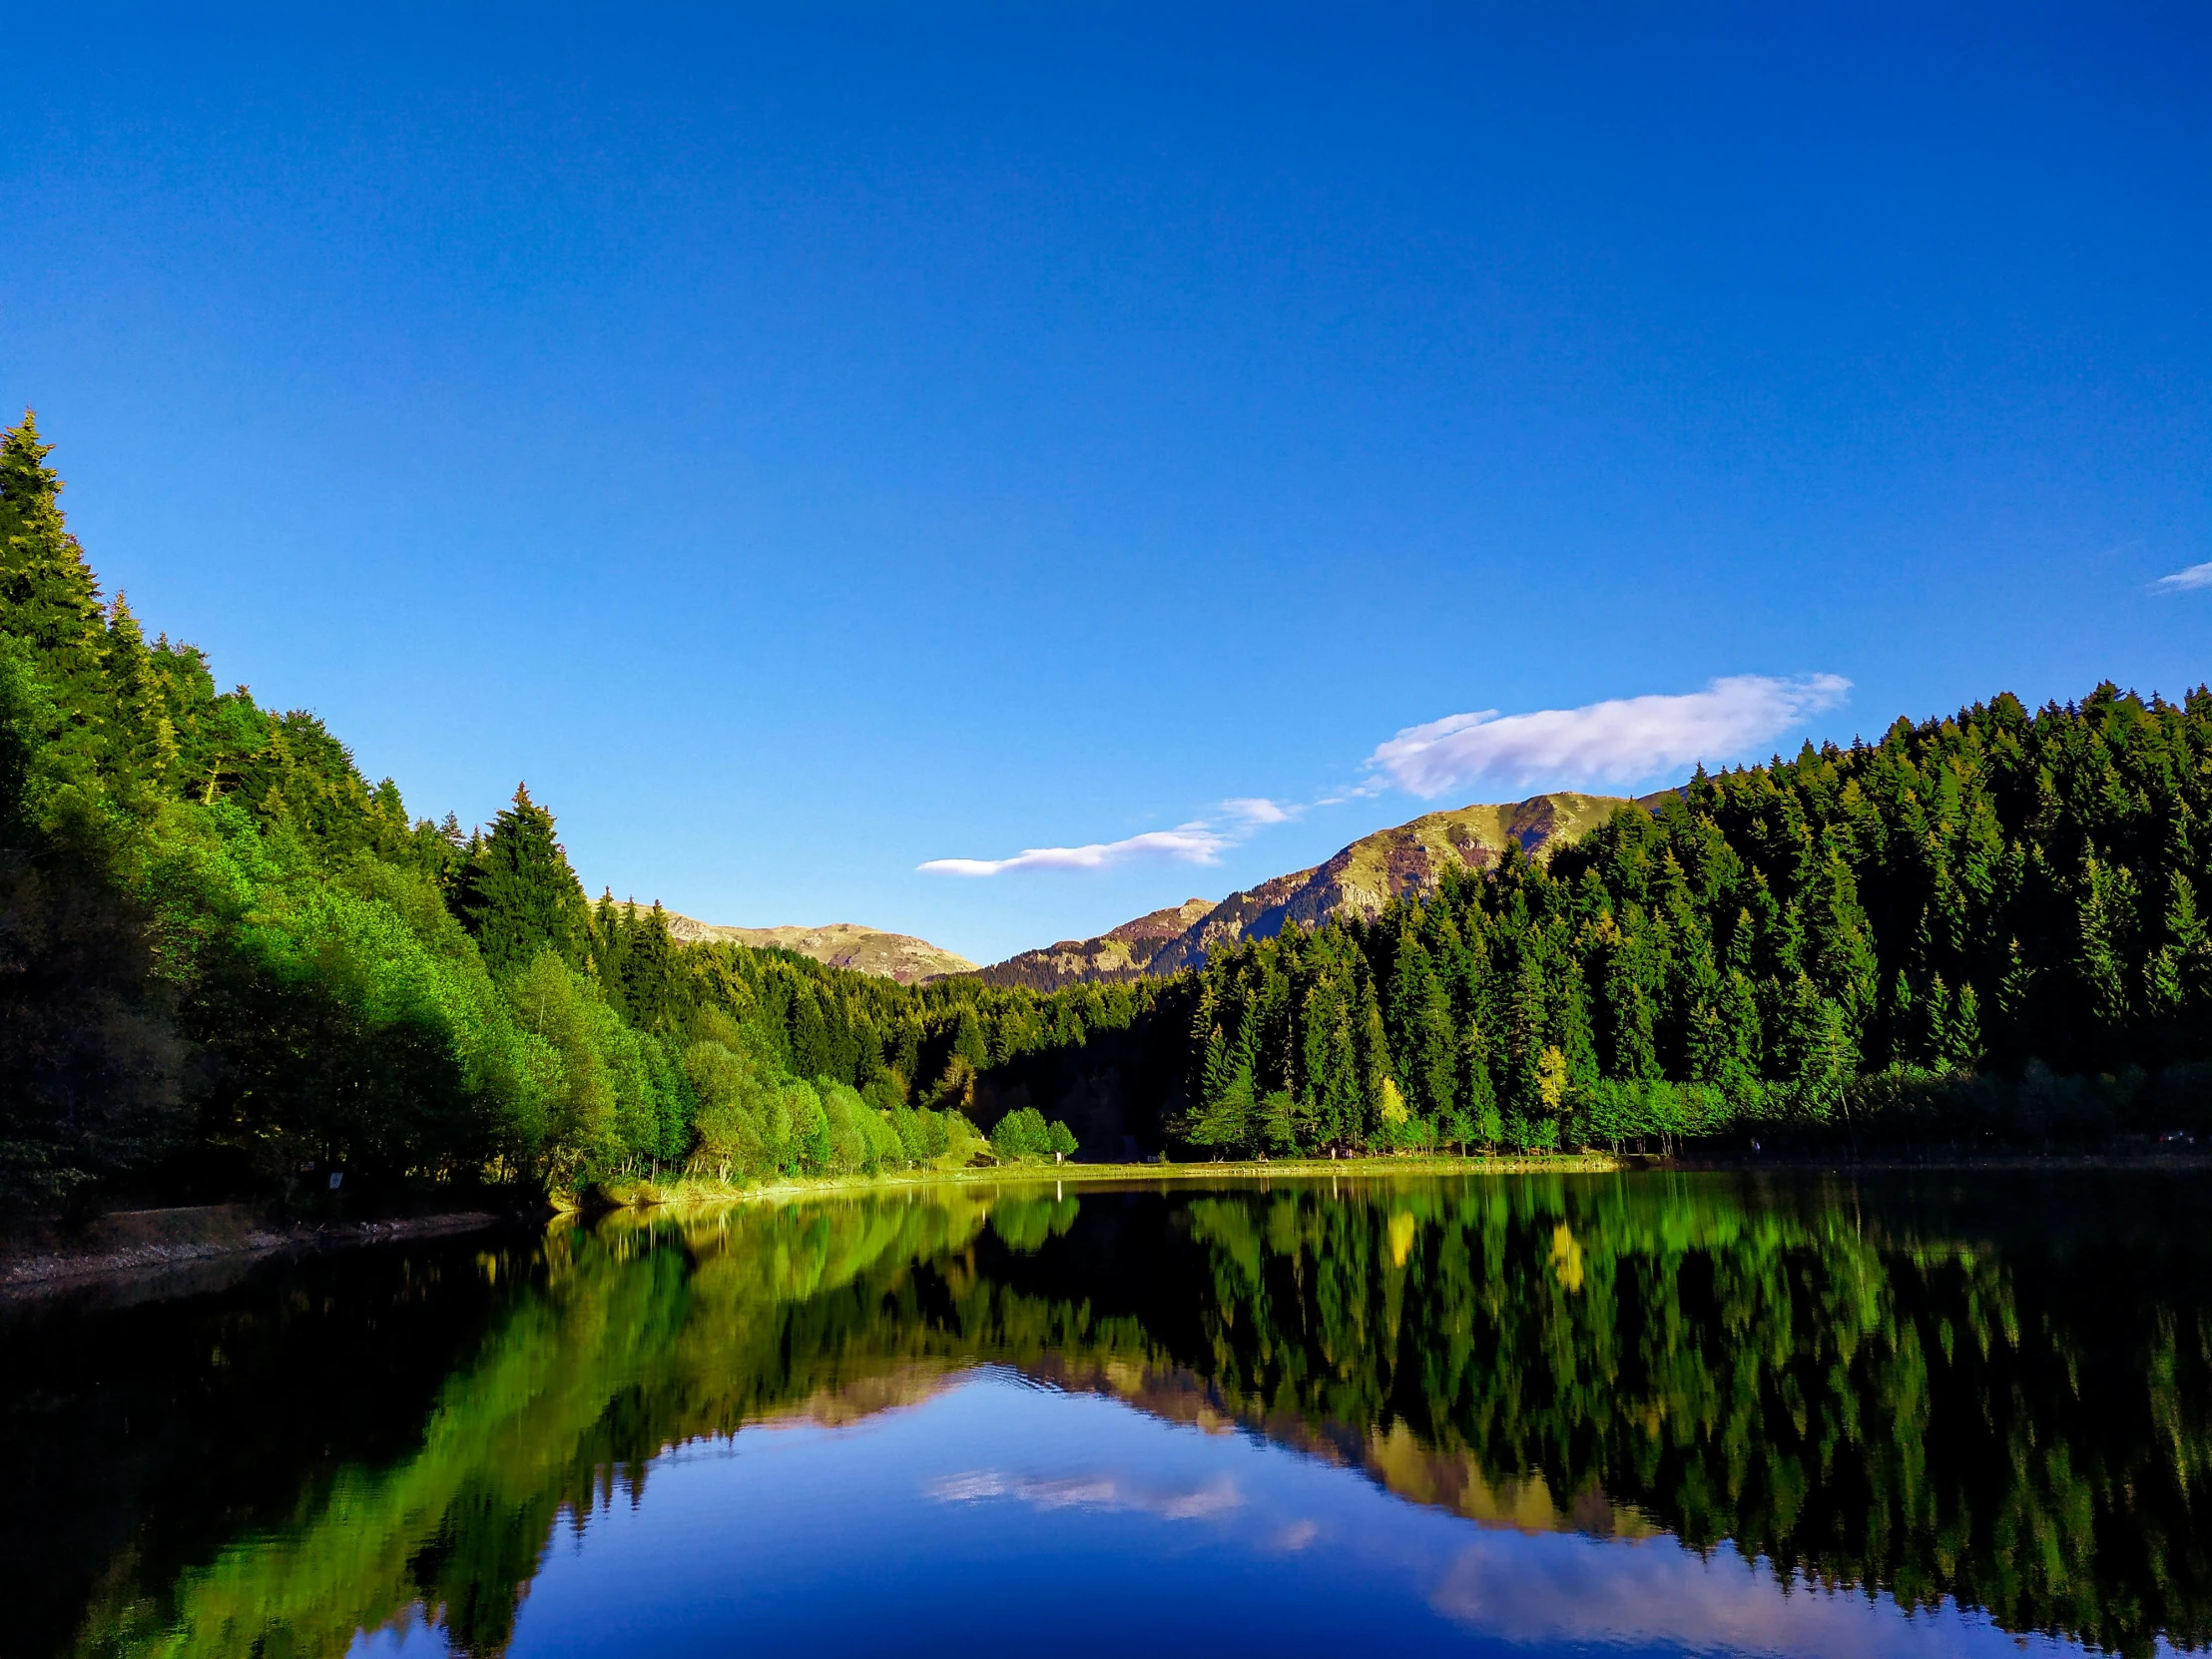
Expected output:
{"points": [[1390, 864], [1363, 877], [847, 944], [1124, 953], [843, 944]]}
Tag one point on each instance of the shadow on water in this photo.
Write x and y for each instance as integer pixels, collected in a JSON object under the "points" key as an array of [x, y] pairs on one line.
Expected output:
{"points": [[1995, 1389]]}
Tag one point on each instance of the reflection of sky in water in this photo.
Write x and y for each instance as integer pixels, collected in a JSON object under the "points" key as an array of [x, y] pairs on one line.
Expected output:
{"points": [[996, 1513]]}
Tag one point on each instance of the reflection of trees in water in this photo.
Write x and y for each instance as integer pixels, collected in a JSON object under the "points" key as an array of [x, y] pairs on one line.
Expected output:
{"points": [[1834, 1391], [1910, 1417]]}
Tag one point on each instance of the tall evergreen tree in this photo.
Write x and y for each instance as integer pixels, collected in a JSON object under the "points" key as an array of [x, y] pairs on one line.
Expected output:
{"points": [[1480, 1120], [1420, 1020], [1331, 1061], [649, 990], [49, 597], [519, 896], [140, 750], [1373, 1048]]}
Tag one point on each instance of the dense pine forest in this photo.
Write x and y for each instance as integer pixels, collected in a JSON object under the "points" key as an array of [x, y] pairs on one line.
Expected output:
{"points": [[1988, 923], [229, 964]]}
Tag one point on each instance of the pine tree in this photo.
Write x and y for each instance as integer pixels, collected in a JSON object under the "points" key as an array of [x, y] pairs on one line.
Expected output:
{"points": [[1216, 1068], [141, 740], [1635, 1052], [1704, 1042], [969, 1041], [1420, 1020], [1481, 1119], [2191, 945], [1329, 1061], [48, 596], [1903, 1021], [1962, 1046], [608, 935], [1743, 1048], [2100, 919], [1227, 1116], [1569, 1029], [1203, 1041], [1373, 1048], [520, 897], [1934, 1020], [1525, 1039], [1815, 1046], [649, 970]]}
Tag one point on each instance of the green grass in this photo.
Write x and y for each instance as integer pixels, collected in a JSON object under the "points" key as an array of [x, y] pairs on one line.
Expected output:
{"points": [[689, 1190]]}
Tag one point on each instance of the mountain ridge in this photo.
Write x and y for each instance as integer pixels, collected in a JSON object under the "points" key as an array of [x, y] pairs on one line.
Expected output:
{"points": [[846, 944], [1404, 860]]}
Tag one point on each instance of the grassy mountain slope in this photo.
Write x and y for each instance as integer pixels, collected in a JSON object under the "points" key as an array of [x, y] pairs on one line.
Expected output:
{"points": [[843, 944], [1124, 953], [1390, 864], [847, 944]]}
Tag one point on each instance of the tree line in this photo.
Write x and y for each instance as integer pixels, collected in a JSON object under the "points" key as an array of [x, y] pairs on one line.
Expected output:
{"points": [[1988, 921], [228, 961]]}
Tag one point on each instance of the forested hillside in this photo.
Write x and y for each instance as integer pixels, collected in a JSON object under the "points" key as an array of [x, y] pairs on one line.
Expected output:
{"points": [[1989, 923], [228, 963]]}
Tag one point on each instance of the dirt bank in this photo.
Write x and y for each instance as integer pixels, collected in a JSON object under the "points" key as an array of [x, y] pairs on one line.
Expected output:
{"points": [[138, 1241]]}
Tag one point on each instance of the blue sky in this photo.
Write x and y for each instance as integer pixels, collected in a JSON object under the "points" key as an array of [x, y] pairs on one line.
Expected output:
{"points": [[811, 445]]}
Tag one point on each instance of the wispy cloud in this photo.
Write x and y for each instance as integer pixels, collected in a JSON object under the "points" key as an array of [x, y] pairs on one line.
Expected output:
{"points": [[1549, 1593], [1257, 809], [1104, 1491], [1200, 841], [1616, 742], [2185, 581], [1191, 844]]}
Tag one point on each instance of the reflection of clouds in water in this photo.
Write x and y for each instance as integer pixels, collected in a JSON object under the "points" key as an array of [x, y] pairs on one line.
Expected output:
{"points": [[1559, 1589], [1218, 1496], [1296, 1536]]}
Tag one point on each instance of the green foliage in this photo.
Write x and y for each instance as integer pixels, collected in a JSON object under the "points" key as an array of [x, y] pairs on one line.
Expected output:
{"points": [[227, 959], [518, 895], [1973, 895], [1023, 1133]]}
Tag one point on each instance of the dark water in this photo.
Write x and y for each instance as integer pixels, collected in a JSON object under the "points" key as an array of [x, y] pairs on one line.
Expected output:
{"points": [[1627, 1415]]}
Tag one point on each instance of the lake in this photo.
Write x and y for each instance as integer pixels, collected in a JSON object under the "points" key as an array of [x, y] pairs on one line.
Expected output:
{"points": [[1649, 1412]]}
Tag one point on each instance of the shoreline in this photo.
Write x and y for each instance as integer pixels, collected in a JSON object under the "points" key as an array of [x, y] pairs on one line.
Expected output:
{"points": [[690, 1192], [132, 1243], [127, 1246]]}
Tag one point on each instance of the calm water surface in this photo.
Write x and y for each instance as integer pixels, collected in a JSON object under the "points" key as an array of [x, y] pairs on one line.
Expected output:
{"points": [[1624, 1415]]}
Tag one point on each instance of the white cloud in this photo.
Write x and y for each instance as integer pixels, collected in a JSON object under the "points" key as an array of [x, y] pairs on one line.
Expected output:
{"points": [[1200, 841], [1549, 1594], [1256, 809], [1617, 741], [1193, 843], [2185, 581], [1216, 1497]]}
